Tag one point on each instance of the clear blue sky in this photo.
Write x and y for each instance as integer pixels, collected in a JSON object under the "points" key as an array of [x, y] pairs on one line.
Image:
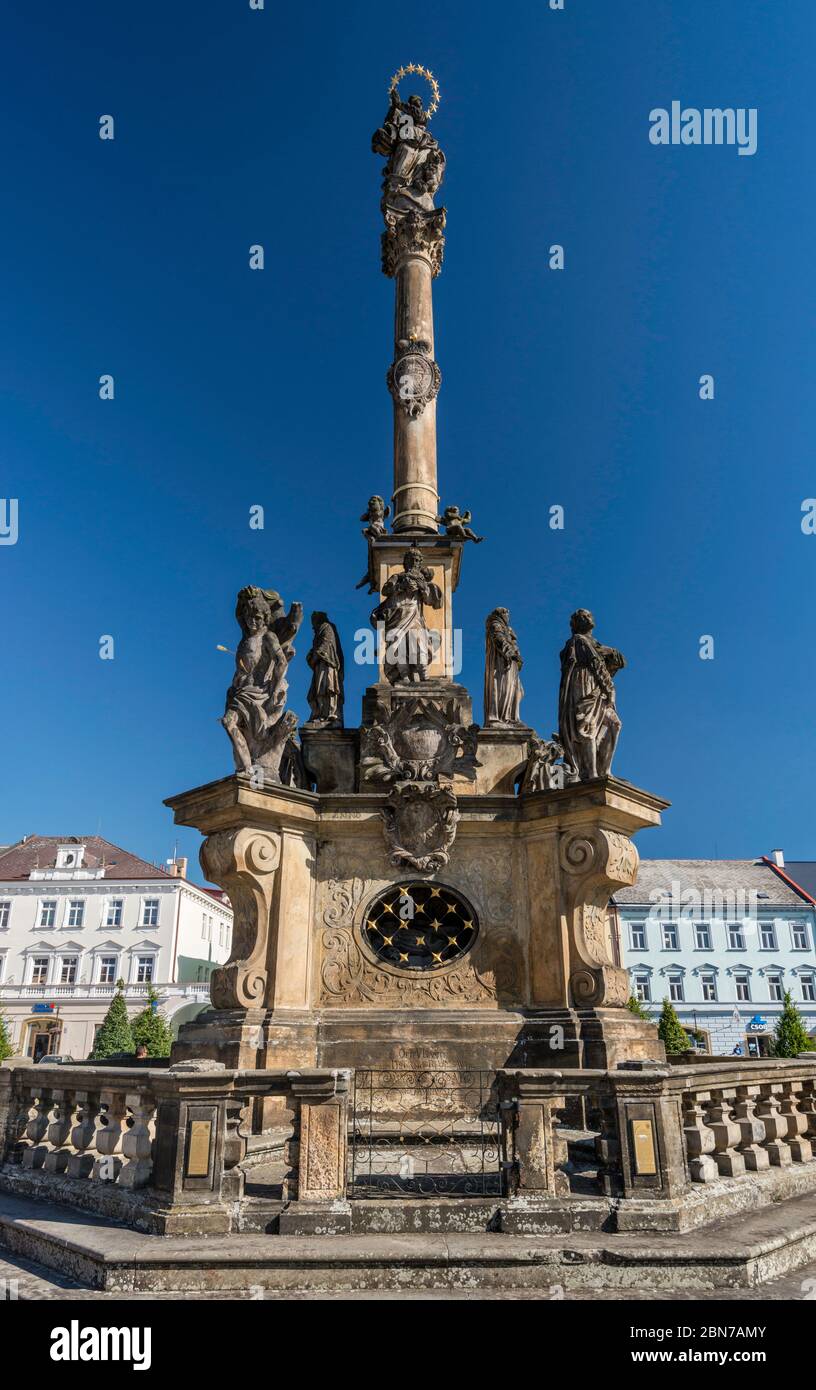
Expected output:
{"points": [[235, 388]]}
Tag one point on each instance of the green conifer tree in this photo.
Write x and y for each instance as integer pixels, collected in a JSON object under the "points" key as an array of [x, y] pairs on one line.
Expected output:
{"points": [[152, 1029], [635, 1007], [115, 1035], [6, 1049], [790, 1035], [670, 1030]]}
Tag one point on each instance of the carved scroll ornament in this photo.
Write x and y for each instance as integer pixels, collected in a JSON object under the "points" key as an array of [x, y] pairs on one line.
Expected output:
{"points": [[243, 863]]}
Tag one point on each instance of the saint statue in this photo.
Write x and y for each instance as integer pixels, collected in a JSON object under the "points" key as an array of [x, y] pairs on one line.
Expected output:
{"points": [[409, 645], [325, 694], [255, 716], [503, 688], [588, 722], [416, 164]]}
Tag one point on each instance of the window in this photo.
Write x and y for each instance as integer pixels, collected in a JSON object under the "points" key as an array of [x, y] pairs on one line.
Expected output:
{"points": [[107, 970], [702, 936], [637, 936], [775, 987], [808, 989], [150, 912], [643, 989], [48, 912], [767, 936], [144, 969], [708, 981], [2, 965], [676, 988], [743, 985], [5, 913], [670, 942], [76, 912], [799, 937], [68, 970], [113, 917], [39, 970], [736, 937]]}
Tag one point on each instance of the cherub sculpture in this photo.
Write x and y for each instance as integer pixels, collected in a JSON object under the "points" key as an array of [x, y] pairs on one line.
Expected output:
{"points": [[545, 769], [255, 716], [457, 525], [375, 515]]}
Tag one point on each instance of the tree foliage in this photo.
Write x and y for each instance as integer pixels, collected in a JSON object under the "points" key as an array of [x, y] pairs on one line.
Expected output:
{"points": [[151, 1029], [116, 1034], [790, 1035], [671, 1031]]}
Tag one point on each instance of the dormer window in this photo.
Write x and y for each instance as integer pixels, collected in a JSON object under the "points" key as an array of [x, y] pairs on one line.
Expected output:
{"points": [[70, 856]]}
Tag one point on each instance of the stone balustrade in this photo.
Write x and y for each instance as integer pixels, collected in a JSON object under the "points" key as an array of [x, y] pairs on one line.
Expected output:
{"points": [[162, 1149], [658, 1130]]}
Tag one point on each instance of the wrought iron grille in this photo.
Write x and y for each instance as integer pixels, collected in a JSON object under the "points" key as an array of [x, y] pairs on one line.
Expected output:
{"points": [[424, 1133]]}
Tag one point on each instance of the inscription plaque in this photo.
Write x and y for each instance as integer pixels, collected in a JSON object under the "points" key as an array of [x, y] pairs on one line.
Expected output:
{"points": [[643, 1148], [198, 1153]]}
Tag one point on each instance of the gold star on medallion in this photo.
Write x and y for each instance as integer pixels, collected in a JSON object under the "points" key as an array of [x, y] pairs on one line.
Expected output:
{"points": [[436, 925], [420, 941], [435, 956], [402, 957], [388, 941], [452, 941], [436, 891]]}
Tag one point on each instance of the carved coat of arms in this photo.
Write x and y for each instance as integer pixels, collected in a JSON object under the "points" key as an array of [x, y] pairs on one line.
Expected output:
{"points": [[419, 820]]}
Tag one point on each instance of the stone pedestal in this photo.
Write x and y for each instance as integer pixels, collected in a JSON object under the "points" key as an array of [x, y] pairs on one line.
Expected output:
{"points": [[541, 985], [330, 756]]}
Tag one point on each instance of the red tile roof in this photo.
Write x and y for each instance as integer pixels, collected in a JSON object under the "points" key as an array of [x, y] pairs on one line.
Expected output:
{"points": [[40, 852]]}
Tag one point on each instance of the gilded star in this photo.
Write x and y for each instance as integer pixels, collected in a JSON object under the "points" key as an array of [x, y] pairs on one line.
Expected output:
{"points": [[388, 941], [453, 941], [435, 956], [436, 925], [436, 891], [451, 907], [420, 941], [372, 926], [467, 924], [402, 957], [388, 908]]}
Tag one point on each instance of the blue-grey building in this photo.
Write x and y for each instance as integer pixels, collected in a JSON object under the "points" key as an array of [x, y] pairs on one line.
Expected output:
{"points": [[724, 940]]}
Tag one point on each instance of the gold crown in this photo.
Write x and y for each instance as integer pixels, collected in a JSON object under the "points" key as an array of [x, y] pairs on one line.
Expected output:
{"points": [[429, 78]]}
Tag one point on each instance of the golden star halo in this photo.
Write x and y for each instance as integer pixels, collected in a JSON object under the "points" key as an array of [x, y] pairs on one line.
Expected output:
{"points": [[429, 78]]}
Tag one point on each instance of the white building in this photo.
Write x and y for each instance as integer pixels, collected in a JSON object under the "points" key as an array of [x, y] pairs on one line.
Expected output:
{"points": [[78, 914]]}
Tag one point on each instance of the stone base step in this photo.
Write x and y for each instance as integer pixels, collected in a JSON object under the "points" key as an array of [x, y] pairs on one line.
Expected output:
{"points": [[738, 1254]]}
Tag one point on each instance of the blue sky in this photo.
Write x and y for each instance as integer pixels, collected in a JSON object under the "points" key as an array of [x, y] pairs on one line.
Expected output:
{"points": [[578, 388]]}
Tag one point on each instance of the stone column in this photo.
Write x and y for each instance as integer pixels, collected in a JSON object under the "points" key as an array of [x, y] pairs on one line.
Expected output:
{"points": [[412, 255], [318, 1152]]}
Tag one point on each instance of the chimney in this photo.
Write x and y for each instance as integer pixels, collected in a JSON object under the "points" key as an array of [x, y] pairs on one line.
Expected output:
{"points": [[177, 868], [778, 858]]}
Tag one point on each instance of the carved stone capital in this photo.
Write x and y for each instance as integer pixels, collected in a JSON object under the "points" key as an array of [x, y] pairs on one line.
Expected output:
{"points": [[413, 234], [594, 864], [243, 863]]}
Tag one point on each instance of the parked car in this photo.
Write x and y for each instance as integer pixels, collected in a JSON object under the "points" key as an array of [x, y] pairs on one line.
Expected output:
{"points": [[57, 1059]]}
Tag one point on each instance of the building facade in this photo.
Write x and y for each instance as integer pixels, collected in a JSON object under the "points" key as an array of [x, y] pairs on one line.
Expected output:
{"points": [[78, 914], [723, 940]]}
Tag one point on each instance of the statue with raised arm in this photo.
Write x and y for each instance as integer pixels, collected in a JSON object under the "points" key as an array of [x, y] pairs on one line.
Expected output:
{"points": [[416, 164], [588, 723], [255, 716], [409, 645], [503, 689], [325, 695]]}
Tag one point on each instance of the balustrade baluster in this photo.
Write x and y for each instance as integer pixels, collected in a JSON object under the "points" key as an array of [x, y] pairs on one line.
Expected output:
{"points": [[108, 1137], [797, 1122], [59, 1128], [776, 1126], [137, 1141], [700, 1141], [752, 1130], [86, 1109], [36, 1127], [727, 1135]]}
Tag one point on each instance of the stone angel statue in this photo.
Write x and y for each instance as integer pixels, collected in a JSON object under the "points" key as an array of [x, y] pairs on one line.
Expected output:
{"points": [[255, 717]]}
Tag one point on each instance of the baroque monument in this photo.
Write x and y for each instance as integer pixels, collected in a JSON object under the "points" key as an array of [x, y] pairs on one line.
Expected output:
{"points": [[417, 882]]}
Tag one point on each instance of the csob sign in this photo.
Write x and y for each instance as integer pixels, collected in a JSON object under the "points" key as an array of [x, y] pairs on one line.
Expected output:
{"points": [[43, 1008], [757, 1024]]}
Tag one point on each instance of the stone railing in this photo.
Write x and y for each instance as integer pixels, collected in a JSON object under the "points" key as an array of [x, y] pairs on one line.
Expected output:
{"points": [[651, 1131], [162, 1149]]}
